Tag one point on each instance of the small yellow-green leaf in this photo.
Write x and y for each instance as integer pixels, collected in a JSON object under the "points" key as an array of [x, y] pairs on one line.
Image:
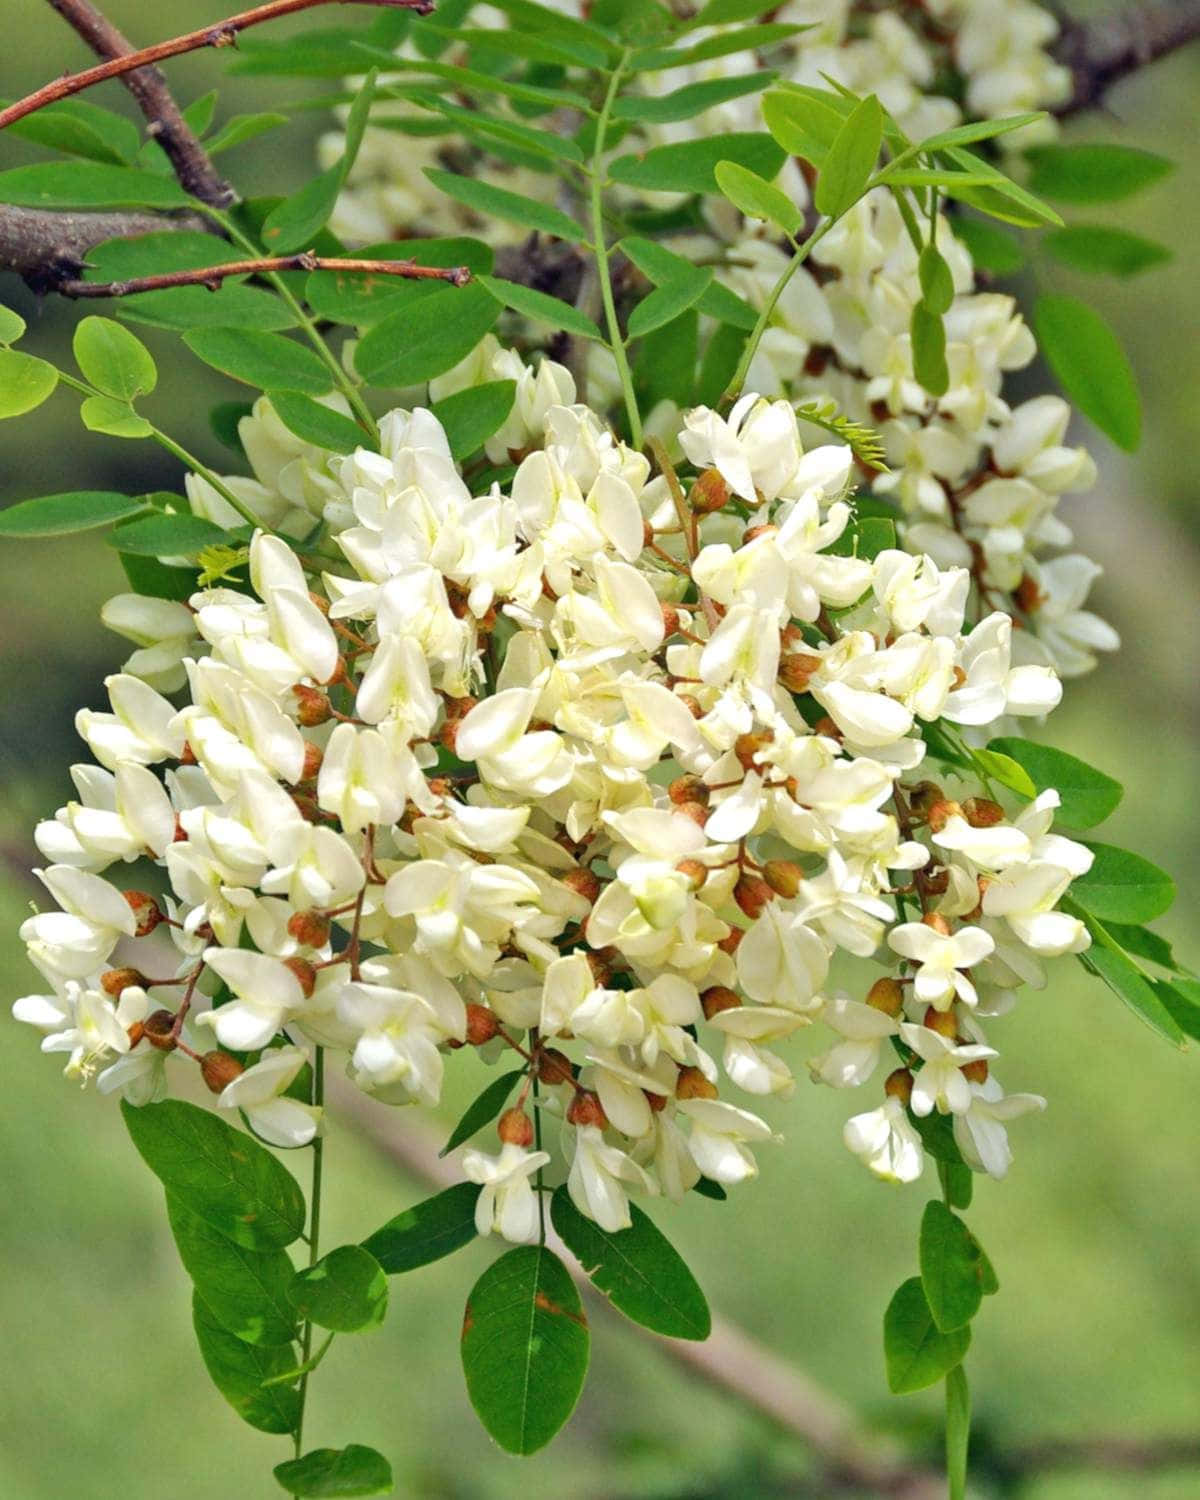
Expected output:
{"points": [[851, 159], [113, 418], [928, 334], [756, 197], [114, 360], [25, 382]]}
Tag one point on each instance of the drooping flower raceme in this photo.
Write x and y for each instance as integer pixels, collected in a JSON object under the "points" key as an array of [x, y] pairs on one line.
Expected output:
{"points": [[604, 767]]}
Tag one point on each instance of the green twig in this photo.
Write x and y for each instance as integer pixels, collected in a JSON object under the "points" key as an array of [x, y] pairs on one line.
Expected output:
{"points": [[314, 1237]]}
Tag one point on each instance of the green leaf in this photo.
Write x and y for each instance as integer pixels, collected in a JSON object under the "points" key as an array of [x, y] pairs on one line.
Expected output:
{"points": [[224, 419], [524, 1348], [953, 1268], [1094, 173], [239, 129], [238, 1370], [721, 356], [724, 12], [721, 44], [12, 325], [851, 160], [637, 1269], [81, 128], [346, 1290], [428, 338], [527, 45], [427, 1231], [928, 334], [958, 1184], [113, 418], [937, 1137], [1109, 962], [1096, 248], [689, 166], [665, 366], [317, 424], [1091, 366], [937, 282], [292, 224], [660, 265], [1001, 198], [181, 535], [470, 417], [991, 249], [1088, 796], [666, 302], [958, 1431], [514, 208], [915, 1350], [978, 130], [707, 1188], [355, 297], [805, 121], [489, 129], [75, 510], [218, 1172], [1122, 887], [245, 1290], [756, 197], [691, 100], [113, 359], [866, 536], [155, 580], [78, 184], [1181, 999], [483, 1109], [1146, 944], [353, 1470], [997, 766], [546, 309], [25, 382], [266, 360]]}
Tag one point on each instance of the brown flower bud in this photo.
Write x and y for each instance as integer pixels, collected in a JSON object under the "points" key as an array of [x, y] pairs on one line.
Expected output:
{"points": [[719, 997], [1028, 596], [899, 1085], [115, 982], [936, 882], [752, 533], [692, 1084], [747, 746], [304, 972], [795, 669], [694, 810], [187, 756], [977, 1071], [982, 812], [482, 1024], [219, 1070], [320, 601], [602, 962], [670, 620], [940, 814], [312, 707], [311, 928], [784, 876], [313, 756], [515, 1128], [585, 1109], [554, 1067], [583, 882], [827, 727], [709, 493], [696, 872], [135, 1033], [923, 796], [732, 940], [941, 1021], [157, 1028], [886, 995], [935, 920], [752, 894], [657, 1102], [687, 789], [147, 911]]}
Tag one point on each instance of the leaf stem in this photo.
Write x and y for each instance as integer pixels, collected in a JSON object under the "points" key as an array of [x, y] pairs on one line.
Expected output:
{"points": [[218, 484], [600, 246], [314, 1237]]}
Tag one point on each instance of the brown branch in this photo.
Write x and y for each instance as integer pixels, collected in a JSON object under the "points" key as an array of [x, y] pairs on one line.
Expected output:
{"points": [[212, 276], [165, 123], [219, 34], [46, 248], [1102, 51]]}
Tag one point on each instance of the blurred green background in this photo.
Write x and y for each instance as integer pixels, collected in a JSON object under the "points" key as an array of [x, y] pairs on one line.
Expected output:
{"points": [[1094, 1235]]}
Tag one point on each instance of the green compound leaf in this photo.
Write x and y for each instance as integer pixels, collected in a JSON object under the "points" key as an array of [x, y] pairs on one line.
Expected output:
{"points": [[514, 208], [638, 1269], [428, 338], [317, 424], [265, 360], [113, 418], [25, 382], [355, 297], [916, 1351], [218, 1172], [1091, 366], [239, 1370], [114, 360], [182, 535], [353, 1470], [805, 121], [688, 102], [483, 1109], [540, 305], [756, 197], [955, 1273], [660, 265], [74, 510], [524, 1348], [1088, 796], [244, 1290], [666, 302], [851, 159], [86, 184], [80, 128], [1094, 173], [689, 167], [470, 417], [427, 1231], [1122, 887], [1097, 248], [346, 1290]]}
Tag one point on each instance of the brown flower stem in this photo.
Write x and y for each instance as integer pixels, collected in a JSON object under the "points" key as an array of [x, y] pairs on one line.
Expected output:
{"points": [[212, 276]]}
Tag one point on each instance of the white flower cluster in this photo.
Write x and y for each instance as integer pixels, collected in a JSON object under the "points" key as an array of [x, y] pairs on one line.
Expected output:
{"points": [[604, 770]]}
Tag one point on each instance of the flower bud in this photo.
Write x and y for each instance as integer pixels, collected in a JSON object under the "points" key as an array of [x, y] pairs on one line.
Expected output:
{"points": [[747, 746], [752, 533], [732, 940], [1028, 596], [923, 796], [313, 756], [719, 997], [977, 1071], [935, 882], [147, 911], [670, 620], [584, 882], [982, 812], [795, 669], [886, 995], [602, 962], [313, 707], [687, 789], [657, 1102], [554, 1067], [115, 982], [827, 728], [940, 814], [187, 756], [694, 810], [709, 493], [586, 1109], [784, 876], [515, 1128], [158, 1027], [482, 1025], [941, 1021], [309, 928], [752, 894], [692, 1084], [899, 1085], [135, 1033], [304, 972], [935, 920], [219, 1070]]}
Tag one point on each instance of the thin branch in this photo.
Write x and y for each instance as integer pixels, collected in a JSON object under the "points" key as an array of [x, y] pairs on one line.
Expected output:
{"points": [[219, 34], [165, 123], [212, 276], [48, 247], [1102, 51]]}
